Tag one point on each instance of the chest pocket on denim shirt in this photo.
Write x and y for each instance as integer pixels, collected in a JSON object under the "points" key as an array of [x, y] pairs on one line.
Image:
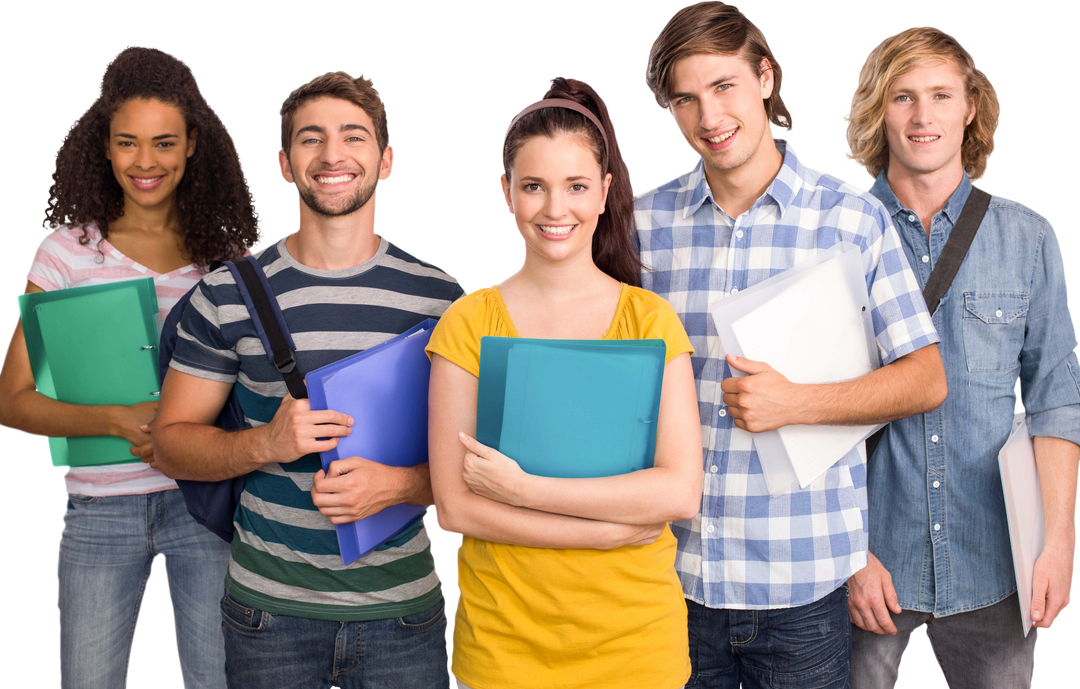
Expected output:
{"points": [[994, 329]]}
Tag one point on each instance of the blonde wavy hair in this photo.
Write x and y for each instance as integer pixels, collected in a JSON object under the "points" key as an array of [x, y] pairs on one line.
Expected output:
{"points": [[895, 57]]}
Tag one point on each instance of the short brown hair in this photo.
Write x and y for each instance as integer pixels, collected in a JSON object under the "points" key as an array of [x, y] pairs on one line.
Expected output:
{"points": [[895, 57], [712, 28], [359, 92]]}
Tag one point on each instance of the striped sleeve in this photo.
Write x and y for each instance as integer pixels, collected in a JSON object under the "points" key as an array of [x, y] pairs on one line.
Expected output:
{"points": [[52, 266], [201, 347]]}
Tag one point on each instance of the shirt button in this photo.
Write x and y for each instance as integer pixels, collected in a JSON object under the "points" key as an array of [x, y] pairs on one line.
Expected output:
{"points": [[998, 313], [713, 469], [937, 484], [934, 438], [735, 290], [912, 218], [722, 412], [710, 528], [937, 527], [739, 234], [925, 259]]}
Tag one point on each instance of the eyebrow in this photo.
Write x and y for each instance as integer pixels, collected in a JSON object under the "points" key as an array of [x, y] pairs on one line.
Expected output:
{"points": [[343, 128], [932, 88], [574, 178], [714, 84], [159, 137]]}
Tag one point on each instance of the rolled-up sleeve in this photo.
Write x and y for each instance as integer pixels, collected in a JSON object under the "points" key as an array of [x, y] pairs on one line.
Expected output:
{"points": [[1049, 372]]}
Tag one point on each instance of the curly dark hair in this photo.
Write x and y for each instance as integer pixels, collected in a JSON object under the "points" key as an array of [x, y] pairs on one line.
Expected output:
{"points": [[213, 203]]}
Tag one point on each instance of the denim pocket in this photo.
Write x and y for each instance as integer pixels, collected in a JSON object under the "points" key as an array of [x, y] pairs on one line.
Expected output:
{"points": [[82, 499], [994, 329], [423, 620], [242, 618]]}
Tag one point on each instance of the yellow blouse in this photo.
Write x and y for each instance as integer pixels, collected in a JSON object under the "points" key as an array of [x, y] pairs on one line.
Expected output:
{"points": [[539, 618]]}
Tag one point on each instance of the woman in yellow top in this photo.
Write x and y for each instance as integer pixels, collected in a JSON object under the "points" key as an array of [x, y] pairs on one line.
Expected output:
{"points": [[565, 582]]}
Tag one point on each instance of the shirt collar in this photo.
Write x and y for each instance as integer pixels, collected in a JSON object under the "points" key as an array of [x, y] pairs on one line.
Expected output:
{"points": [[953, 206], [782, 189]]}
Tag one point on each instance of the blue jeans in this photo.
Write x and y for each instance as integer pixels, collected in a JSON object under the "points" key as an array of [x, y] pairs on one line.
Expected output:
{"points": [[806, 647], [106, 551], [264, 650]]}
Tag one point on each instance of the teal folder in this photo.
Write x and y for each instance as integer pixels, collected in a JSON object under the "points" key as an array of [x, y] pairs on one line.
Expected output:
{"points": [[571, 408], [93, 345]]}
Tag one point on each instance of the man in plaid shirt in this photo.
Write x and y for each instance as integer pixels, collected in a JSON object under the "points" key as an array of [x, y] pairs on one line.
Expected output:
{"points": [[764, 576]]}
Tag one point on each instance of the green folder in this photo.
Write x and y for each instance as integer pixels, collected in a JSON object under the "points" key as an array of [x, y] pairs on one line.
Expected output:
{"points": [[571, 408], [94, 345]]}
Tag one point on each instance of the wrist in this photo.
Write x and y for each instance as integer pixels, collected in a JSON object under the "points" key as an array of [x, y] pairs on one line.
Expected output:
{"points": [[260, 444], [807, 408], [111, 419]]}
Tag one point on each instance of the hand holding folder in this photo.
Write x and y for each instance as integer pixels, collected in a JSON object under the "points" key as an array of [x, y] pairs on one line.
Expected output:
{"points": [[93, 345], [571, 408], [811, 323], [385, 390]]}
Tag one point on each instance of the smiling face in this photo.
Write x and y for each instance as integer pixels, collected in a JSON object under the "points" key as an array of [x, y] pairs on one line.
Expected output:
{"points": [[334, 159], [925, 118], [148, 147], [719, 104], [556, 192]]}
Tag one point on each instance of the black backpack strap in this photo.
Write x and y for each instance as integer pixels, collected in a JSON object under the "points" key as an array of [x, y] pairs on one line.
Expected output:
{"points": [[282, 355], [948, 265]]}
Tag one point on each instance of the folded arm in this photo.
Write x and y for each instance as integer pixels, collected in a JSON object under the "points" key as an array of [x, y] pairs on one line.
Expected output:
{"points": [[24, 408], [452, 410], [669, 490]]}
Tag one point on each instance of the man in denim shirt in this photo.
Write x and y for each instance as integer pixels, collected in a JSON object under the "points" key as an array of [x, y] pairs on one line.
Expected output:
{"points": [[922, 121]]}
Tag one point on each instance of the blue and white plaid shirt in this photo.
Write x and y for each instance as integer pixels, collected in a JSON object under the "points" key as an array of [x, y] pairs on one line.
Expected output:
{"points": [[746, 549]]}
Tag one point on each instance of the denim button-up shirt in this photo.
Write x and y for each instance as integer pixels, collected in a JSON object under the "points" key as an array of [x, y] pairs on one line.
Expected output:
{"points": [[937, 514]]}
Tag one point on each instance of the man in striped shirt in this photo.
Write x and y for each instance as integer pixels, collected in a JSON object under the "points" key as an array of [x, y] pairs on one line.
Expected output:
{"points": [[293, 614], [764, 576]]}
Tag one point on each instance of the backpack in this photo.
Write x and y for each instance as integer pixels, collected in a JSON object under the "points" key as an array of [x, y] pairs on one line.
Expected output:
{"points": [[213, 503]]}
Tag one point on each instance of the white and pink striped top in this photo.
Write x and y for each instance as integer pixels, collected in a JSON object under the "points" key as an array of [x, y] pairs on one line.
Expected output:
{"points": [[62, 262]]}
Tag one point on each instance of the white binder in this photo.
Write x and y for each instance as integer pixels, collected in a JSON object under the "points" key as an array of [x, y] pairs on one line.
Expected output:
{"points": [[812, 323], [1024, 509]]}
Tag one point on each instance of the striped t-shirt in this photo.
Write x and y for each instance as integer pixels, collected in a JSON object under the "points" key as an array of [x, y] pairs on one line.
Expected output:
{"points": [[285, 556], [63, 261]]}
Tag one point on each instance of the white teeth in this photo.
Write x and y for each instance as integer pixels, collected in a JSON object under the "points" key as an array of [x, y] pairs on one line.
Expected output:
{"points": [[146, 180], [556, 229], [924, 139], [722, 137], [333, 180]]}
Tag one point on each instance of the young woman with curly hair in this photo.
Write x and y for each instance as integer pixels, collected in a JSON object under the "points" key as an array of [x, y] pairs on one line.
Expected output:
{"points": [[147, 184]]}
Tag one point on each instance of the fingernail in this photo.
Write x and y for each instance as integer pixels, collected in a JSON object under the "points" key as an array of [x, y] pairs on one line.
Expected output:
{"points": [[351, 421], [462, 436]]}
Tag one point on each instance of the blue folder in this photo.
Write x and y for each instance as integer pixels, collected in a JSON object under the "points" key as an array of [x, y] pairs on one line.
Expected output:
{"points": [[385, 390], [571, 408]]}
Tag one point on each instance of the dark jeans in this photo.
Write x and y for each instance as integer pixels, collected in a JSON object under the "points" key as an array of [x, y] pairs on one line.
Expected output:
{"points": [[806, 647], [270, 651]]}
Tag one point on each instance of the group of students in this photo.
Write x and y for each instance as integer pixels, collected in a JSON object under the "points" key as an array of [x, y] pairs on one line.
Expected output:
{"points": [[687, 573]]}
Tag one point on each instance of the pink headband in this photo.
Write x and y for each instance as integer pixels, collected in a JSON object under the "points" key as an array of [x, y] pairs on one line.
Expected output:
{"points": [[569, 105]]}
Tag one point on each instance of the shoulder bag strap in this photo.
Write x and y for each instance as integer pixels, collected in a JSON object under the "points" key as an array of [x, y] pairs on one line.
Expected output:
{"points": [[948, 265]]}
